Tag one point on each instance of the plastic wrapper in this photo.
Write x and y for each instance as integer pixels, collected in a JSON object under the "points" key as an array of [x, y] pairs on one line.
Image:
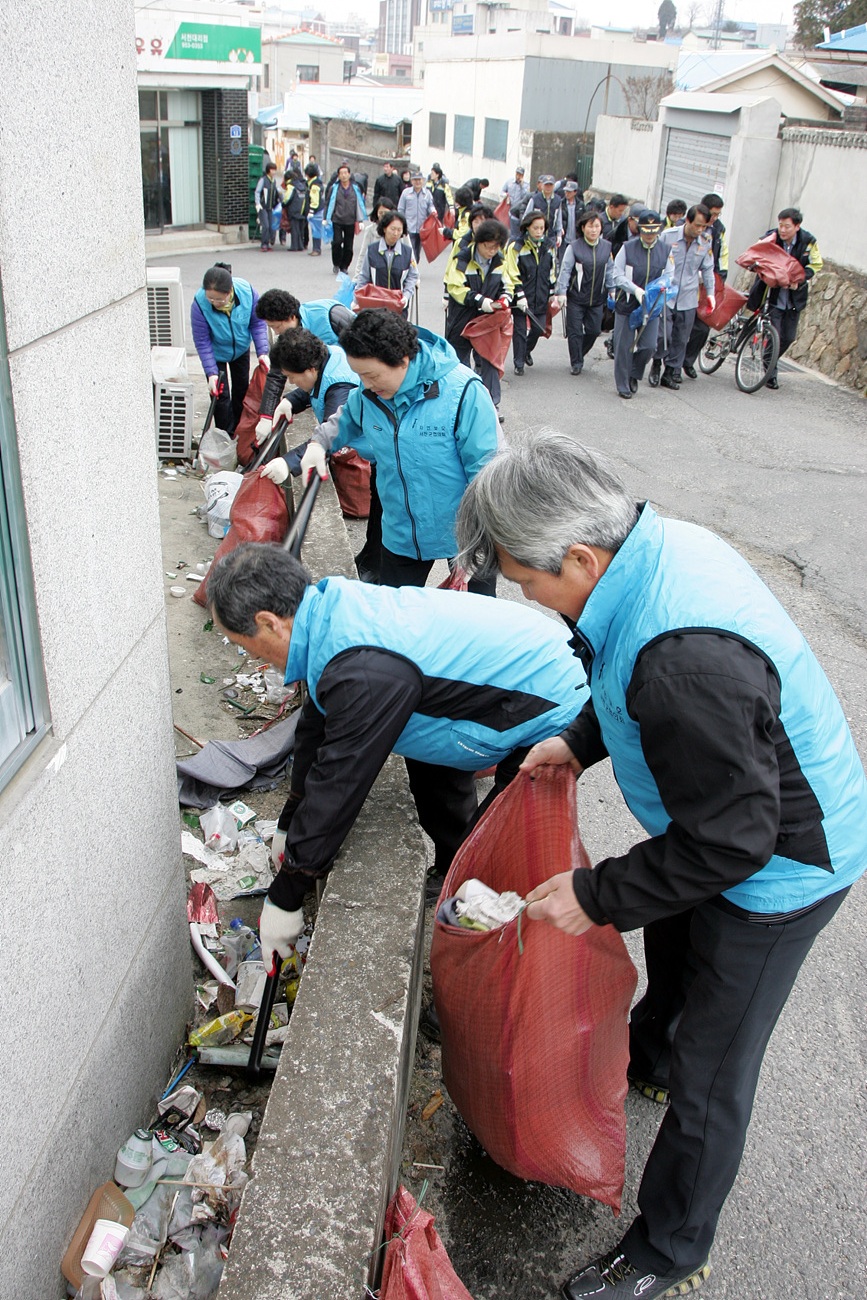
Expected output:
{"points": [[417, 1266], [220, 829], [150, 1227], [772, 263], [258, 513], [374, 295], [217, 450], [433, 241], [222, 1030], [491, 336]]}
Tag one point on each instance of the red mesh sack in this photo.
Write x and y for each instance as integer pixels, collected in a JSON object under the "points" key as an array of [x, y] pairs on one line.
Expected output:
{"points": [[554, 309], [259, 514], [245, 430], [503, 211], [351, 474], [534, 1021], [728, 304], [491, 335], [373, 295], [449, 218], [433, 241], [456, 581], [772, 263], [416, 1266]]}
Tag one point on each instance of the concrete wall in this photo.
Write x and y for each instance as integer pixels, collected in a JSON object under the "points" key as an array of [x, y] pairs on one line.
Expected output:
{"points": [[94, 972], [626, 156], [815, 167]]}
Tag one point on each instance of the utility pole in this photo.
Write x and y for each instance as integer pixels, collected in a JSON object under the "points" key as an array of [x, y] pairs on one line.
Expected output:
{"points": [[718, 16]]}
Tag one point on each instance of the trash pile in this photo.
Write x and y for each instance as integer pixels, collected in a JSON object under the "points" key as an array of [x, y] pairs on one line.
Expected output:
{"points": [[475, 906]]}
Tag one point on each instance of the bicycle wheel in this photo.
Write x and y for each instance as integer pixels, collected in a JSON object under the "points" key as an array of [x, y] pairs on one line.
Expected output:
{"points": [[757, 356], [714, 353]]}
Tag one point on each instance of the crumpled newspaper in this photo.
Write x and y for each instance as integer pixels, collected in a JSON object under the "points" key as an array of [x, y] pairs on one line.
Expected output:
{"points": [[248, 872], [484, 907]]}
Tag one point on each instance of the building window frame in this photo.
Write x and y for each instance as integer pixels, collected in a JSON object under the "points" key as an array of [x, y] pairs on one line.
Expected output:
{"points": [[303, 71], [496, 139], [464, 131], [436, 131]]}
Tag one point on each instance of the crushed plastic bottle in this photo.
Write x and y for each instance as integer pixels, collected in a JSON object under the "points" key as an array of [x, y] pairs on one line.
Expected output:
{"points": [[220, 1031]]}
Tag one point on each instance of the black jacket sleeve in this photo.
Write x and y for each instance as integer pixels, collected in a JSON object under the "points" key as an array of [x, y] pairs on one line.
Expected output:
{"points": [[368, 696], [335, 398], [584, 737], [272, 392], [707, 705], [339, 316]]}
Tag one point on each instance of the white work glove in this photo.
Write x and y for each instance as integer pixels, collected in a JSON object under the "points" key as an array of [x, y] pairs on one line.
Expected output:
{"points": [[278, 848], [353, 306], [638, 293], [561, 301], [263, 428], [284, 411], [265, 361], [486, 305], [711, 304], [278, 931], [521, 303], [404, 300], [213, 384], [313, 459], [277, 471]]}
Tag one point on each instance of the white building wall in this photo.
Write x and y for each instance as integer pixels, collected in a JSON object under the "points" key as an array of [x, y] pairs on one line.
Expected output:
{"points": [[94, 974], [815, 167], [625, 157], [451, 88]]}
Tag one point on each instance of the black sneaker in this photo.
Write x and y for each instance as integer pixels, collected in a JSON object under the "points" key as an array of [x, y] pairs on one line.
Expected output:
{"points": [[519, 370], [772, 383], [690, 372], [613, 1278], [576, 370]]}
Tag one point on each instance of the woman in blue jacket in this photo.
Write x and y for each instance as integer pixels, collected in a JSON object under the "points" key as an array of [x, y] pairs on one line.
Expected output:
{"points": [[224, 325]]}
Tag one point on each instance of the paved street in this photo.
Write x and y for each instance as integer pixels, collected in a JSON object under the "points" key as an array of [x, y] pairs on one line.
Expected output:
{"points": [[781, 476]]}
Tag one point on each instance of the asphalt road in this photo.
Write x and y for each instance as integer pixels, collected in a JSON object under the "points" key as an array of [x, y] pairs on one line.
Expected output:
{"points": [[782, 476]]}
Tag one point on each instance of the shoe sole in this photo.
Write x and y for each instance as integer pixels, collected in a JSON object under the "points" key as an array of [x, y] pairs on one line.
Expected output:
{"points": [[690, 1284], [660, 1096]]}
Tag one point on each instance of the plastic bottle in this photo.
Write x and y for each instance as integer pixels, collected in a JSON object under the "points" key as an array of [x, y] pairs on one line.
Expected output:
{"points": [[134, 1159]]}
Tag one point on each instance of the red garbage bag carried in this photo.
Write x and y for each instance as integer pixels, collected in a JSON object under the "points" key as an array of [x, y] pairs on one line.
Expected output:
{"points": [[449, 218], [772, 263], [433, 241], [503, 211], [728, 304], [373, 295], [534, 1021], [351, 474], [259, 514], [416, 1266], [554, 309], [245, 430], [491, 335], [458, 580]]}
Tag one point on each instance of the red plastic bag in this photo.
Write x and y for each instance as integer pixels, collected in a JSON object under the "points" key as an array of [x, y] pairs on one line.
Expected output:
{"points": [[456, 581], [535, 1038], [351, 474], [553, 309], [373, 295], [491, 335], [728, 304], [449, 218], [772, 263], [503, 211], [245, 431], [416, 1266], [259, 514], [433, 241]]}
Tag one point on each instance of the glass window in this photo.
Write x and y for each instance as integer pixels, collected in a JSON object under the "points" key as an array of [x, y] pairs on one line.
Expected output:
{"points": [[496, 137], [307, 71], [147, 105], [436, 131], [23, 700], [164, 106], [464, 131]]}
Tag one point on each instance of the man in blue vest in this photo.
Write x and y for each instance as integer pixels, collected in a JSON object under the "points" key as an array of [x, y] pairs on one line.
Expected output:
{"points": [[733, 753], [454, 683], [639, 262]]}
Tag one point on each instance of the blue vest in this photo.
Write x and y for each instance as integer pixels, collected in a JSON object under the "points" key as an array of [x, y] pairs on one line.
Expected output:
{"points": [[670, 575], [389, 277], [515, 659], [315, 318], [230, 334], [335, 371]]}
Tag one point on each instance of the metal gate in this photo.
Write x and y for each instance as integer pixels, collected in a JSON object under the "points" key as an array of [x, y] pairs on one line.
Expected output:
{"points": [[695, 164]]}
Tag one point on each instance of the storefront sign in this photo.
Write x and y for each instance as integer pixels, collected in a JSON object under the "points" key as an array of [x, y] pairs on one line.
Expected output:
{"points": [[164, 39], [462, 24]]}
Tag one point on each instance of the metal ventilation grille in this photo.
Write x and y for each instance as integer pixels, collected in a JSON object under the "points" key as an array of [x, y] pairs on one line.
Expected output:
{"points": [[160, 315], [173, 417]]}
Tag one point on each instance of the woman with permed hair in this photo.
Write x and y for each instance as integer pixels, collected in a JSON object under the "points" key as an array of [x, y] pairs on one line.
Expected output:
{"points": [[224, 324]]}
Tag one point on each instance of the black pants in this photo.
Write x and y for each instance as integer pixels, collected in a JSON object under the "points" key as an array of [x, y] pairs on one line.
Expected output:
{"points": [[525, 337], [415, 240], [671, 342], [341, 246], [583, 327], [369, 558], [297, 228], [403, 571], [230, 403], [695, 343], [716, 986], [786, 322], [266, 233]]}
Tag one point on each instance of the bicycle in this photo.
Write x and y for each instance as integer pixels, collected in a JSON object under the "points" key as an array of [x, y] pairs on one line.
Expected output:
{"points": [[755, 342]]}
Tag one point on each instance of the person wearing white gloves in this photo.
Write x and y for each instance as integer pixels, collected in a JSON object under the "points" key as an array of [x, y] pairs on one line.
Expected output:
{"points": [[422, 673], [531, 262], [692, 253], [641, 259]]}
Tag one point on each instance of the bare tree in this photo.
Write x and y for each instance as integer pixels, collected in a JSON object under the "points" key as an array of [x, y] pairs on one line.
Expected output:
{"points": [[643, 94], [693, 11]]}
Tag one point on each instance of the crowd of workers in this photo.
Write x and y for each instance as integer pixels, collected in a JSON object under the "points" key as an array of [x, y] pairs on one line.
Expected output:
{"points": [[726, 738]]}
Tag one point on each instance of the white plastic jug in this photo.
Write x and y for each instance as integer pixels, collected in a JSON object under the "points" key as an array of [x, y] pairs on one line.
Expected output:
{"points": [[220, 490]]}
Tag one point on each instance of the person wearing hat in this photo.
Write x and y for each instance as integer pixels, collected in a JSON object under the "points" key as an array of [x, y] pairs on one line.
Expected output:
{"points": [[441, 192], [692, 253], [641, 259], [570, 210], [531, 266], [518, 194], [415, 205], [581, 286], [549, 204]]}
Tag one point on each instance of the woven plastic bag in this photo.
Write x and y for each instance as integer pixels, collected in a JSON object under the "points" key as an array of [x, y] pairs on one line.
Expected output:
{"points": [[554, 309], [416, 1266], [534, 1021], [259, 514], [245, 430], [375, 295], [491, 335], [727, 303], [433, 241], [772, 263], [351, 474]]}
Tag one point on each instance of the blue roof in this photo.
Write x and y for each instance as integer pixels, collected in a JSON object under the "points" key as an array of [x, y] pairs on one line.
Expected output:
{"points": [[853, 39]]}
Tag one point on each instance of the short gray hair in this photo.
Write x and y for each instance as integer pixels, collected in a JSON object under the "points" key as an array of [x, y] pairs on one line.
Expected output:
{"points": [[254, 577], [538, 498]]}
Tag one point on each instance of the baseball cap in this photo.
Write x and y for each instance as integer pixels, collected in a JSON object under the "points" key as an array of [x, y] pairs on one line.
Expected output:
{"points": [[519, 170], [571, 187], [636, 210], [546, 180], [647, 217]]}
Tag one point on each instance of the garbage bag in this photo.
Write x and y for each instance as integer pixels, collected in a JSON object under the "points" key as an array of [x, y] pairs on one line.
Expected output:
{"points": [[449, 218], [728, 302], [258, 514], [245, 430], [503, 212], [433, 241], [554, 309], [345, 289], [327, 233], [491, 336], [656, 295], [772, 263], [417, 1266], [217, 450], [374, 295], [534, 1021], [351, 474], [457, 580]]}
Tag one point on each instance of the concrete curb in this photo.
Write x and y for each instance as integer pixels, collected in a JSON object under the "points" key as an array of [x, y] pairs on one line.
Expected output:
{"points": [[329, 1149]]}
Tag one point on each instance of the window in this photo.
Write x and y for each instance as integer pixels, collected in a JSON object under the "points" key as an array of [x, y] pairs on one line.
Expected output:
{"points": [[266, 75], [436, 131], [496, 138], [307, 71], [23, 701], [464, 131]]}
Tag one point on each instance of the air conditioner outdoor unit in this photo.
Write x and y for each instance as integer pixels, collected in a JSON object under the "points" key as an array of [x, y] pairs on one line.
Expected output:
{"points": [[173, 420], [165, 306]]}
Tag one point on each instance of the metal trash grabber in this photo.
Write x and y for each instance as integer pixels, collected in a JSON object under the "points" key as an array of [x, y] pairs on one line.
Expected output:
{"points": [[212, 406], [264, 453]]}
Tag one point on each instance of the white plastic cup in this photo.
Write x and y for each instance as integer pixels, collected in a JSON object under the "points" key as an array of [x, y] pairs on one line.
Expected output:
{"points": [[103, 1247]]}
